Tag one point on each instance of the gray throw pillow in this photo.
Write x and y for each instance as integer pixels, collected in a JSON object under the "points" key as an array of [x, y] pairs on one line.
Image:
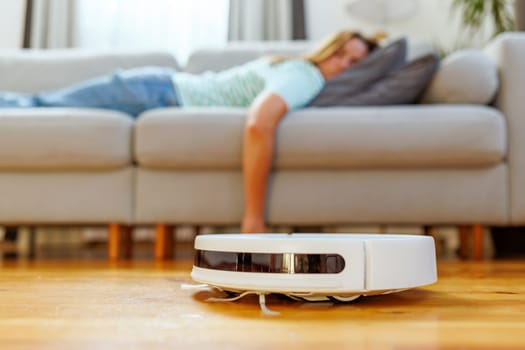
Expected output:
{"points": [[403, 86], [363, 74]]}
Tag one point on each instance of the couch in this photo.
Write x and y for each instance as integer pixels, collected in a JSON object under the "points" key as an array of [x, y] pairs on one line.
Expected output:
{"points": [[415, 164]]}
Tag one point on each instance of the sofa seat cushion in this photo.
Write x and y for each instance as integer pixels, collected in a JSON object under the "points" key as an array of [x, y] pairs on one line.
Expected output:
{"points": [[343, 137], [62, 138]]}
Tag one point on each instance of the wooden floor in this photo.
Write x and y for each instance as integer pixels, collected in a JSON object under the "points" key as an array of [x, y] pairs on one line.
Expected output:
{"points": [[140, 305]]}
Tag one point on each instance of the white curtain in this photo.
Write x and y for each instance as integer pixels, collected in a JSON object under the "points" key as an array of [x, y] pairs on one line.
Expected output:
{"points": [[52, 24], [179, 26], [260, 20]]}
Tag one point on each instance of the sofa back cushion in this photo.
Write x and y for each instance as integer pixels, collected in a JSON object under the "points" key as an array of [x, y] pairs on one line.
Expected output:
{"points": [[236, 53], [465, 76], [38, 70]]}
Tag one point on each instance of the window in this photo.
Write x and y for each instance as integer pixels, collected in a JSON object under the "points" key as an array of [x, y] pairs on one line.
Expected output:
{"points": [[178, 26]]}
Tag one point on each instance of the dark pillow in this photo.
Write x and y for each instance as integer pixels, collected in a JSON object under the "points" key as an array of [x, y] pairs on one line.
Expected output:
{"points": [[363, 74], [401, 86]]}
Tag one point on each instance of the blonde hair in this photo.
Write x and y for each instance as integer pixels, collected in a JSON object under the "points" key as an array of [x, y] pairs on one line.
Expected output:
{"points": [[332, 44]]}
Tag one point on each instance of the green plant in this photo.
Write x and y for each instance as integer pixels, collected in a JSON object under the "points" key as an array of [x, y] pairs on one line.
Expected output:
{"points": [[475, 12]]}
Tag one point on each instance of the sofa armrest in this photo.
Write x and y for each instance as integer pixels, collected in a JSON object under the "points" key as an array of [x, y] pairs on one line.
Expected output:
{"points": [[508, 53]]}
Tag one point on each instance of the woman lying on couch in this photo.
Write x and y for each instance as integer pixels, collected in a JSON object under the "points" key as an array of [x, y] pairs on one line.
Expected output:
{"points": [[269, 87]]}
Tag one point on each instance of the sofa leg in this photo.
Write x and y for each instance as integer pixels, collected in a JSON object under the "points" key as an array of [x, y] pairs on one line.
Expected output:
{"points": [[463, 231], [120, 242], [478, 244], [8, 247], [477, 233], [197, 230], [164, 242], [434, 233]]}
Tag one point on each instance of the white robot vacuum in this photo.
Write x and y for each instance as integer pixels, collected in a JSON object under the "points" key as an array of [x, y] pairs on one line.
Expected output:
{"points": [[339, 267]]}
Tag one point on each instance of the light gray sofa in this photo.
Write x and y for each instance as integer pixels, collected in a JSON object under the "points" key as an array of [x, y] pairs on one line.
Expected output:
{"points": [[414, 164]]}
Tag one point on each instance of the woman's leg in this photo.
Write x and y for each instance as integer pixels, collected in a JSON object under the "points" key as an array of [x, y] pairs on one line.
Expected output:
{"points": [[16, 100], [132, 91], [259, 138]]}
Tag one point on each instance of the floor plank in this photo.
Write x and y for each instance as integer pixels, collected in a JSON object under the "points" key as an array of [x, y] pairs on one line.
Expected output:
{"points": [[140, 305]]}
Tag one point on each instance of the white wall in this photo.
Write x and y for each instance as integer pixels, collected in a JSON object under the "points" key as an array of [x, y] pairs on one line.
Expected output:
{"points": [[11, 23], [432, 22]]}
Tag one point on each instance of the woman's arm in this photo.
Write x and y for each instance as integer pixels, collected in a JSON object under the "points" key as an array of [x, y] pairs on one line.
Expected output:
{"points": [[259, 133]]}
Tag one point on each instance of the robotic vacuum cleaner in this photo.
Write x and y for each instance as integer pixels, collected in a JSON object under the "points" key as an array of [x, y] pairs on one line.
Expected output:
{"points": [[339, 267]]}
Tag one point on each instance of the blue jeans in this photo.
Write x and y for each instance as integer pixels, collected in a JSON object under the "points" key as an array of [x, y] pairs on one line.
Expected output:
{"points": [[130, 91]]}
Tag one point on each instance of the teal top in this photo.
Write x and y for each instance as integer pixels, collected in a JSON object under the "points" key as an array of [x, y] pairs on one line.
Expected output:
{"points": [[296, 81]]}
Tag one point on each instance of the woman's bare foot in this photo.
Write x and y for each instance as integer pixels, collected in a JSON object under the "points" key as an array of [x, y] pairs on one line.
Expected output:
{"points": [[252, 226]]}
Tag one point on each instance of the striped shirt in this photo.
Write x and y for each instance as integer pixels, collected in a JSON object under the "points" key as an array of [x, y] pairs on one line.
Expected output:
{"points": [[296, 81]]}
